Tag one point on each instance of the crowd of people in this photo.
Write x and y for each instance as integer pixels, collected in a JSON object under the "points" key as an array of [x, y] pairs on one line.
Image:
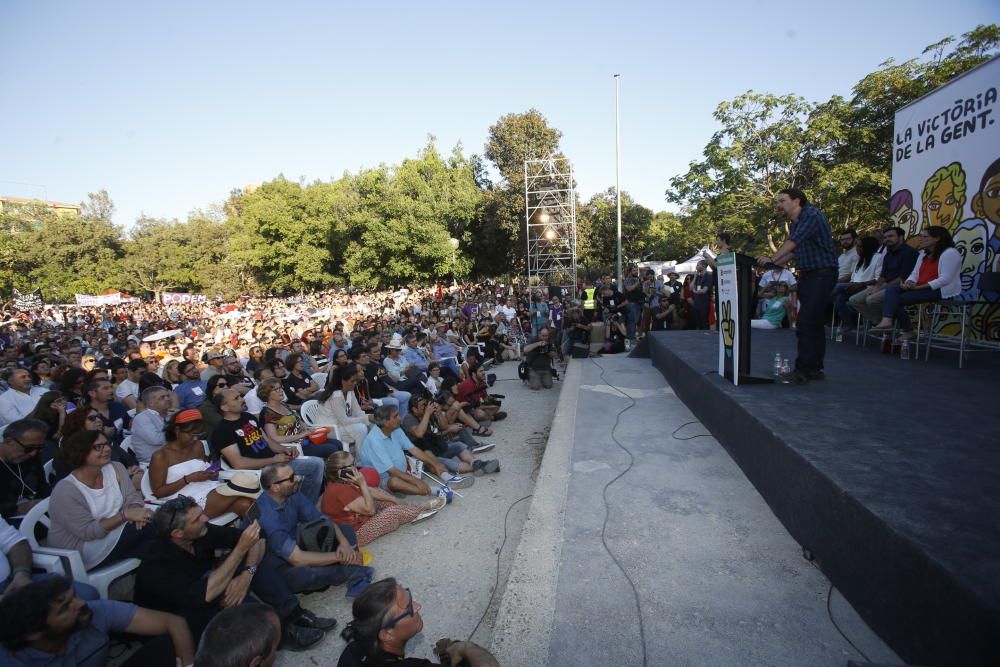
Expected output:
{"points": [[287, 434]]}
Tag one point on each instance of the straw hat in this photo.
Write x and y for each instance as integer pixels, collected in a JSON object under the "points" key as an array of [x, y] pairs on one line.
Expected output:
{"points": [[243, 483]]}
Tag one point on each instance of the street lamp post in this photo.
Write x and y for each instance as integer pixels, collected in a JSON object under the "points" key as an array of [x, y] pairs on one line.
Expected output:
{"points": [[453, 242]]}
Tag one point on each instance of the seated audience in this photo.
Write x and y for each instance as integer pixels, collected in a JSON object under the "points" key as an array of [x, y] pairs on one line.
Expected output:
{"points": [[898, 260], [384, 449], [182, 575], [426, 429], [337, 405], [147, 426], [778, 308], [371, 512], [299, 386], [282, 426], [227, 643], [866, 272], [45, 623], [385, 618], [283, 510], [20, 398], [96, 508], [239, 440], [22, 481]]}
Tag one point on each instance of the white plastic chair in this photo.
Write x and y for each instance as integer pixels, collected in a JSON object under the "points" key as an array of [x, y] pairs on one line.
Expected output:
{"points": [[147, 493], [320, 379], [100, 578], [49, 469], [308, 413]]}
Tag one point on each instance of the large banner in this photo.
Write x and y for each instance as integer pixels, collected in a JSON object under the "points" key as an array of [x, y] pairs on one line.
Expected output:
{"points": [[100, 300], [946, 172], [180, 297], [29, 301], [728, 314]]}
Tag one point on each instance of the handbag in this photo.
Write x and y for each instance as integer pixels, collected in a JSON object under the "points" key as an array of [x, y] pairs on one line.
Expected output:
{"points": [[317, 535]]}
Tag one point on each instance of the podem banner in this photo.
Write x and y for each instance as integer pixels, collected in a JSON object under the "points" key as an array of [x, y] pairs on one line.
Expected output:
{"points": [[728, 313], [946, 172], [181, 297]]}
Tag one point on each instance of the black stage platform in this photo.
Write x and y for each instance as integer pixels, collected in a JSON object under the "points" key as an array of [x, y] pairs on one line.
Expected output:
{"points": [[888, 472]]}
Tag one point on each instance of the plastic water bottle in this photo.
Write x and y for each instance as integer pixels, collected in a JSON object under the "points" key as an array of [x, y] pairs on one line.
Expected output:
{"points": [[904, 351], [628, 344], [786, 367], [777, 364], [840, 335]]}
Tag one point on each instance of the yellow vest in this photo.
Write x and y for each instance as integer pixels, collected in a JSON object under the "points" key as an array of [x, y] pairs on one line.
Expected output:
{"points": [[588, 298]]}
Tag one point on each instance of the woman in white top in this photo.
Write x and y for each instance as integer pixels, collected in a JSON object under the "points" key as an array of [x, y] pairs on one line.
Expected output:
{"points": [[181, 467], [337, 405], [96, 509], [936, 276], [866, 272]]}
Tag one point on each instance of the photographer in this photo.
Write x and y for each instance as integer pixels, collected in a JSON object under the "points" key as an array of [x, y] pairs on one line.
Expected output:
{"points": [[614, 335], [539, 354]]}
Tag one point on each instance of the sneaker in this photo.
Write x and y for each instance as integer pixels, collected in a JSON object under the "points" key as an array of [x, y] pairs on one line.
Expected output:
{"points": [[296, 638], [483, 447], [816, 375], [307, 619], [458, 481], [486, 467], [446, 493]]}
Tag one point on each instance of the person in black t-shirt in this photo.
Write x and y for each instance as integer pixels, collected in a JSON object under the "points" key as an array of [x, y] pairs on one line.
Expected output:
{"points": [[385, 618]]}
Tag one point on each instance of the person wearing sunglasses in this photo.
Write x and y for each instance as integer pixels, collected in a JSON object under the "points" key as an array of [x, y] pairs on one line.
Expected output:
{"points": [[22, 481], [386, 617], [96, 509]]}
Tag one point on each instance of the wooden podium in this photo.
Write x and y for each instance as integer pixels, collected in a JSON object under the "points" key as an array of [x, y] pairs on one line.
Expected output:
{"points": [[733, 315]]}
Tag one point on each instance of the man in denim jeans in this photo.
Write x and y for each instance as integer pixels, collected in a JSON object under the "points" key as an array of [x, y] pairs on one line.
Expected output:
{"points": [[810, 243], [282, 510]]}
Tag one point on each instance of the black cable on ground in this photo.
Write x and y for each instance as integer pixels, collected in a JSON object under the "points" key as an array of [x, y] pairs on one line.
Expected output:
{"points": [[496, 585], [607, 509], [690, 437], [829, 612]]}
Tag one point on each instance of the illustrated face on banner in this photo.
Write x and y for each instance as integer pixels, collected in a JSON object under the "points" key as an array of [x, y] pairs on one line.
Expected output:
{"points": [[986, 202], [902, 213], [944, 197], [972, 240]]}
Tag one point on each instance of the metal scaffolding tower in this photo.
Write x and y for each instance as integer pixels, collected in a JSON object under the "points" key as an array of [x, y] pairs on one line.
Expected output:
{"points": [[550, 216]]}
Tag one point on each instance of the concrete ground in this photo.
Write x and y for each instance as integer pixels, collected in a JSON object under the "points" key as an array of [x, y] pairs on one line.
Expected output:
{"points": [[718, 581]]}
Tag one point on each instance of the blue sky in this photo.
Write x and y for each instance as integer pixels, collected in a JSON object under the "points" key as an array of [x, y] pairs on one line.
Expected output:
{"points": [[170, 105]]}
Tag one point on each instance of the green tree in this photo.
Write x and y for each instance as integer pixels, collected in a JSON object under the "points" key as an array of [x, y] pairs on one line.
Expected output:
{"points": [[601, 230]]}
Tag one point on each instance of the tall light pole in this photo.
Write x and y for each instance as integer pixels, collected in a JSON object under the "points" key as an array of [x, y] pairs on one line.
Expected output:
{"points": [[453, 242], [618, 171]]}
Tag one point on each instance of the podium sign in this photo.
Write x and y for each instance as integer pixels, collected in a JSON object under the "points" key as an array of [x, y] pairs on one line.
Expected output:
{"points": [[727, 316], [736, 281]]}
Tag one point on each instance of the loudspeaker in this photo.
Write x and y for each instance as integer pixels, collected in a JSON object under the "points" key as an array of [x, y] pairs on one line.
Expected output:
{"points": [[580, 351]]}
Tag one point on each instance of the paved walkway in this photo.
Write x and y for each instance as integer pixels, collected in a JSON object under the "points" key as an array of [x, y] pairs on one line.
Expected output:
{"points": [[717, 579]]}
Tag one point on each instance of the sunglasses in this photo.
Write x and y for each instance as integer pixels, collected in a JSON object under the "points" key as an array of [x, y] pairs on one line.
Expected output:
{"points": [[409, 612], [27, 448]]}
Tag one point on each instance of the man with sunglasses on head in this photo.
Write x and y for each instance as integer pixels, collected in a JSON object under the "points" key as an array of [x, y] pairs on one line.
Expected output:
{"points": [[182, 575], [22, 481], [386, 617]]}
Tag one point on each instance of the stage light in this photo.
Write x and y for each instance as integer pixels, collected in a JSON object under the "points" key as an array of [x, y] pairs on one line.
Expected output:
{"points": [[544, 216], [550, 234]]}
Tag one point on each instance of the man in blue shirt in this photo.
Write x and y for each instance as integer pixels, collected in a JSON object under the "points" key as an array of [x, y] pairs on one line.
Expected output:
{"points": [[415, 355], [810, 243], [897, 264], [190, 392], [383, 450], [45, 623], [282, 510]]}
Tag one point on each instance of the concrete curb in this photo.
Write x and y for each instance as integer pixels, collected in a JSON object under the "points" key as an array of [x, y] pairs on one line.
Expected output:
{"points": [[524, 619]]}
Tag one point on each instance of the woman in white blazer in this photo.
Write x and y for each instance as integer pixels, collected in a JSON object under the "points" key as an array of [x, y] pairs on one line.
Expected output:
{"points": [[936, 276]]}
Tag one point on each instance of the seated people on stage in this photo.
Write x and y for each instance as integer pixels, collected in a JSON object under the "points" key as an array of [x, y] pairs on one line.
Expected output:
{"points": [[96, 509], [371, 512], [22, 481], [16, 565], [227, 642], [20, 398], [45, 623], [898, 260], [866, 271], [385, 618], [767, 286], [239, 439], [337, 405], [182, 467], [283, 426], [282, 511], [384, 449], [936, 276], [778, 308], [182, 575], [147, 426]]}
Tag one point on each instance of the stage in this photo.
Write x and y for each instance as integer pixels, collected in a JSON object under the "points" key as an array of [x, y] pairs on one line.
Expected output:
{"points": [[888, 472]]}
